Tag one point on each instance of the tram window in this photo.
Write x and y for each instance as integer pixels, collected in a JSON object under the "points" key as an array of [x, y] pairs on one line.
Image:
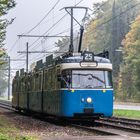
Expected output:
{"points": [[17, 88], [40, 81], [36, 80], [58, 79], [53, 78], [91, 79], [46, 79], [33, 83], [49, 83], [66, 79], [13, 86], [108, 77]]}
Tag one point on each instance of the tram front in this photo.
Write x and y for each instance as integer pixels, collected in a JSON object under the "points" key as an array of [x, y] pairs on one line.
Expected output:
{"points": [[86, 86]]}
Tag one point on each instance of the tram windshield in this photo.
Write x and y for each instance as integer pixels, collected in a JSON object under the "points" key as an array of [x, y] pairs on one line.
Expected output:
{"points": [[87, 79]]}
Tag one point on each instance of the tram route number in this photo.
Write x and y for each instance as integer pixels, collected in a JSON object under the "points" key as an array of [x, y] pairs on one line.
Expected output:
{"points": [[88, 57]]}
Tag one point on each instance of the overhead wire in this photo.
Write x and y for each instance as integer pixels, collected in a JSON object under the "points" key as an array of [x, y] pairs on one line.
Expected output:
{"points": [[35, 25], [65, 31], [13, 46], [51, 26], [54, 25], [43, 18], [100, 25], [39, 24], [116, 16]]}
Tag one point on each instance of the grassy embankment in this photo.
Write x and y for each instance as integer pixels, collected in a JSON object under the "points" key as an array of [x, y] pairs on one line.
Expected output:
{"points": [[8, 131], [133, 114]]}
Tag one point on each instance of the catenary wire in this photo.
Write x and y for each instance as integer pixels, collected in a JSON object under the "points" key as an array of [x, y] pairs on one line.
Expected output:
{"points": [[43, 18]]}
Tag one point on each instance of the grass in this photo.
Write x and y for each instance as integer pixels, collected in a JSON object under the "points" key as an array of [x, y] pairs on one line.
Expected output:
{"points": [[133, 114], [9, 132]]}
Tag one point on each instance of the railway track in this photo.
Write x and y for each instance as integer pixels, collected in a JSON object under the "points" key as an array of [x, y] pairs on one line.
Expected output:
{"points": [[104, 126], [113, 126], [109, 127], [97, 130], [5, 105], [119, 126], [123, 121], [124, 124]]}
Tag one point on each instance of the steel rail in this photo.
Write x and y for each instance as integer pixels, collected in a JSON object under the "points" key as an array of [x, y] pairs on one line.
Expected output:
{"points": [[98, 130], [126, 119], [115, 125], [6, 106], [123, 121]]}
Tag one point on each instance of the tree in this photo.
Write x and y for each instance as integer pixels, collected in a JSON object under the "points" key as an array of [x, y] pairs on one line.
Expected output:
{"points": [[109, 26], [131, 67], [5, 6]]}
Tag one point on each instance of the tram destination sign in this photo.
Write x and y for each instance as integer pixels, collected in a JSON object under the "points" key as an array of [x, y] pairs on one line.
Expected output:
{"points": [[88, 57]]}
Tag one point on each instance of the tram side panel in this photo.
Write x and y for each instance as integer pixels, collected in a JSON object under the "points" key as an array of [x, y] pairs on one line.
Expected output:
{"points": [[14, 93], [51, 97], [35, 93]]}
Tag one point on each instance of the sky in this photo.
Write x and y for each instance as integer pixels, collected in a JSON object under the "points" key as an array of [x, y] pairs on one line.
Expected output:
{"points": [[27, 14]]}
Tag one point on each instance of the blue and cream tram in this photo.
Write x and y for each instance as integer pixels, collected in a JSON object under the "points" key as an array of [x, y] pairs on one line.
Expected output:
{"points": [[75, 86]]}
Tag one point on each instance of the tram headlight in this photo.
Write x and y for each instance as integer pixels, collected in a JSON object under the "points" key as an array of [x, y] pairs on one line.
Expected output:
{"points": [[89, 100]]}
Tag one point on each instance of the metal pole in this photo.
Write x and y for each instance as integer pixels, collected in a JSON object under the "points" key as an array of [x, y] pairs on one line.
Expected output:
{"points": [[27, 57], [9, 70], [71, 34], [81, 37]]}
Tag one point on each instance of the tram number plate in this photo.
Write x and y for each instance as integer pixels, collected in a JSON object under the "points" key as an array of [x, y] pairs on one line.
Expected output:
{"points": [[88, 110], [88, 57]]}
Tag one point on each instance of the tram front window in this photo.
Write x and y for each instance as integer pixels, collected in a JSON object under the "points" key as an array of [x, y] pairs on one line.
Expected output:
{"points": [[88, 79]]}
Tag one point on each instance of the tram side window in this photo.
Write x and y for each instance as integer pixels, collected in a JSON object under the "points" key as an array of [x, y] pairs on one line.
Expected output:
{"points": [[53, 78], [22, 84], [49, 79], [33, 82], [58, 82], [66, 79], [18, 86], [36, 81], [13, 86], [40, 80], [45, 79]]}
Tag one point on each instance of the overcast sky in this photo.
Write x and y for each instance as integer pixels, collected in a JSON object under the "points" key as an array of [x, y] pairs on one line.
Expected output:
{"points": [[27, 14]]}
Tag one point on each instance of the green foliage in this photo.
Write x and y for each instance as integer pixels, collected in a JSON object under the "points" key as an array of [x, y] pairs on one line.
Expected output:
{"points": [[108, 28], [3, 137], [6, 137], [5, 6], [8, 131], [131, 67]]}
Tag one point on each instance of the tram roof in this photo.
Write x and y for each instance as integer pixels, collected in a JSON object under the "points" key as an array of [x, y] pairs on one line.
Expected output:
{"points": [[78, 59]]}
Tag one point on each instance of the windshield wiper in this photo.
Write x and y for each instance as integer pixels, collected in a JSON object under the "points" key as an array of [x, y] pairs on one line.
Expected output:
{"points": [[99, 87], [88, 86], [97, 78]]}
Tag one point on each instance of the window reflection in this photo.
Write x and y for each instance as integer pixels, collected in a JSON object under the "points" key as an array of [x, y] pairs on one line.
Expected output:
{"points": [[86, 79]]}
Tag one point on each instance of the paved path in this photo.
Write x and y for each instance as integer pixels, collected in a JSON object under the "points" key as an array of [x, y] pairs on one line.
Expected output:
{"points": [[127, 107], [93, 138]]}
